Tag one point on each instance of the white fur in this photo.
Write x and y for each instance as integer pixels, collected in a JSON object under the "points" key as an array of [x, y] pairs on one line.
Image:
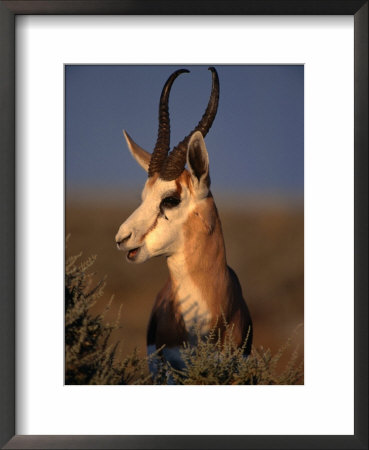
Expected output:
{"points": [[148, 229], [165, 236], [193, 307]]}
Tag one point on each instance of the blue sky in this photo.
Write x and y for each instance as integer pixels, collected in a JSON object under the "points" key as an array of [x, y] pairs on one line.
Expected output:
{"points": [[256, 143]]}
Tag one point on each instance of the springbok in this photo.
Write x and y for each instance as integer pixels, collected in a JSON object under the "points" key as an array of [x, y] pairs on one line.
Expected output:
{"points": [[178, 218]]}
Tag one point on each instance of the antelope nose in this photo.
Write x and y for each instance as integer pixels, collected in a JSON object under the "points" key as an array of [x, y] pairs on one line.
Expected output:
{"points": [[123, 240]]}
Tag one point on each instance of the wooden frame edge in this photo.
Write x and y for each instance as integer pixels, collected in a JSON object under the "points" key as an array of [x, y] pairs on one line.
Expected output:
{"points": [[8, 11]]}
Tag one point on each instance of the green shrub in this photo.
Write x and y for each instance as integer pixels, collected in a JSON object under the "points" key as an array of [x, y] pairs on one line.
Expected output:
{"points": [[91, 357]]}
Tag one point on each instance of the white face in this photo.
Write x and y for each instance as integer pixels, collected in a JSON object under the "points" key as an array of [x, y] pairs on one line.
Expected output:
{"points": [[154, 228]]}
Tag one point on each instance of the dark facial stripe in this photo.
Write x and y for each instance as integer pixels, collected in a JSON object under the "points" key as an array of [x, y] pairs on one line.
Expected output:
{"points": [[179, 187], [151, 228]]}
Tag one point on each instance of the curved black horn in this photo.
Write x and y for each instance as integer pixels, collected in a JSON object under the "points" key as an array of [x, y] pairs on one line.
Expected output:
{"points": [[162, 145], [175, 162]]}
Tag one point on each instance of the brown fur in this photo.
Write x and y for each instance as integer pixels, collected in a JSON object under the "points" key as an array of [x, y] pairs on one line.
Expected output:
{"points": [[179, 187], [166, 326], [152, 179], [206, 263], [185, 180]]}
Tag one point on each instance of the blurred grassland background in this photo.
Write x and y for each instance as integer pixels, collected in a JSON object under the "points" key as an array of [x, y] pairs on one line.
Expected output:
{"points": [[256, 165], [264, 247]]}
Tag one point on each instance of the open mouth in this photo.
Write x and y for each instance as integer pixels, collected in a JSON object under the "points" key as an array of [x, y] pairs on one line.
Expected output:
{"points": [[131, 255]]}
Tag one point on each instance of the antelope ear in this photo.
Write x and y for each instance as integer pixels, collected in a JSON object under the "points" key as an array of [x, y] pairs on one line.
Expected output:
{"points": [[140, 155], [198, 164]]}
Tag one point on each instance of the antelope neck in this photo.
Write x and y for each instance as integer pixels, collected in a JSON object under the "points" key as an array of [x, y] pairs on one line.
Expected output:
{"points": [[198, 271]]}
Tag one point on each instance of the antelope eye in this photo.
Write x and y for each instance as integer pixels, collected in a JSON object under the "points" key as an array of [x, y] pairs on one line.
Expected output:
{"points": [[170, 202]]}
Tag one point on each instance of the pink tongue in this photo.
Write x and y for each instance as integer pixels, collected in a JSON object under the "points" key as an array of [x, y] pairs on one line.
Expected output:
{"points": [[132, 252]]}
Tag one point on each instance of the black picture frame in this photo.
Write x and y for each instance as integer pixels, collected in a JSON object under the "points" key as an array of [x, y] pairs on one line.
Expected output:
{"points": [[8, 12]]}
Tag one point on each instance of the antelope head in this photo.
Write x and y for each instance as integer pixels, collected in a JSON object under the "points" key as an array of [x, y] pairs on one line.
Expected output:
{"points": [[171, 193]]}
